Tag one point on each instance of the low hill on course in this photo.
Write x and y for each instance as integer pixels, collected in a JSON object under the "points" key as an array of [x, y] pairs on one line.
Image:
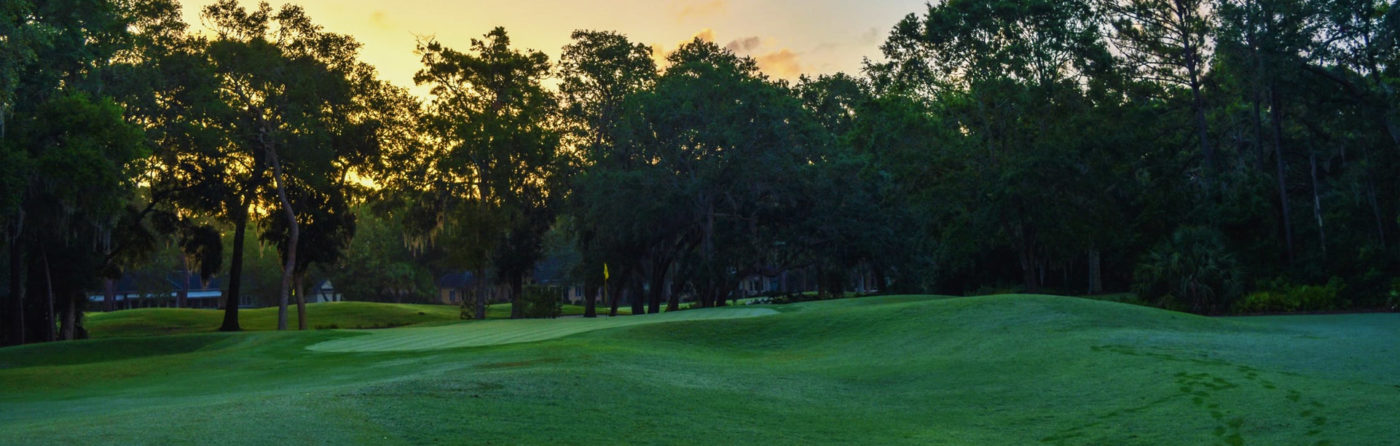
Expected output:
{"points": [[330, 315], [900, 369]]}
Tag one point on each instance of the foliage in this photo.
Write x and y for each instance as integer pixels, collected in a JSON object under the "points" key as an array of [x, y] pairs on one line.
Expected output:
{"points": [[1280, 297], [379, 266], [495, 147], [1193, 271], [542, 301]]}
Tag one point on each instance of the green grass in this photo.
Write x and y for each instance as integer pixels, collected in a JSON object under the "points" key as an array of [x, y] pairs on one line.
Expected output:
{"points": [[346, 315], [886, 370], [500, 332]]}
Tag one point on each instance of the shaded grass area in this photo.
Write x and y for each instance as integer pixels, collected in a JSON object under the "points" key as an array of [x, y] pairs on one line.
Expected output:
{"points": [[900, 370], [345, 315]]}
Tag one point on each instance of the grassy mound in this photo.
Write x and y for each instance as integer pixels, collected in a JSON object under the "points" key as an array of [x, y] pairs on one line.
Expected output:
{"points": [[345, 315], [903, 370], [164, 321]]}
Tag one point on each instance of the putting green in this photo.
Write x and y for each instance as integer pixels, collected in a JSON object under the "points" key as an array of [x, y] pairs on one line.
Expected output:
{"points": [[497, 332]]}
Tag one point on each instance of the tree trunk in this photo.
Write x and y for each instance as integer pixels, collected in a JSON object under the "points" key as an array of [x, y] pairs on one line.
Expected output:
{"points": [[109, 294], [1281, 169], [1029, 274], [590, 304], [183, 296], [49, 321], [616, 297], [1317, 205], [1375, 210], [480, 293], [517, 304], [235, 272], [673, 295], [635, 295], [294, 237], [70, 315], [658, 287], [1198, 109], [301, 301], [1095, 272]]}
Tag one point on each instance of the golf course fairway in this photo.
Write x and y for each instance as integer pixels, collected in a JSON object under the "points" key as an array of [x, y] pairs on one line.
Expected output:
{"points": [[500, 332], [1009, 369]]}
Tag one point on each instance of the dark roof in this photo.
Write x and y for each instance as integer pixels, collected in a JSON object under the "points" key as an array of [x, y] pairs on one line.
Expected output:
{"points": [[177, 281], [548, 271], [456, 280], [552, 271]]}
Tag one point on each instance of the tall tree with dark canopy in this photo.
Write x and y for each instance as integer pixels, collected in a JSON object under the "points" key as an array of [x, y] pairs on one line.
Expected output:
{"points": [[598, 71], [68, 156], [295, 100], [491, 124]]}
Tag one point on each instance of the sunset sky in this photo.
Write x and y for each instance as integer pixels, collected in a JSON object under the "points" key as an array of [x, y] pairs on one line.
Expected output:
{"points": [[786, 37]]}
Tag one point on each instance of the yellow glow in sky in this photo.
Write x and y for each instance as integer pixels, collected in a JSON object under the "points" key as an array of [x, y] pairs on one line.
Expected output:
{"points": [[786, 37]]}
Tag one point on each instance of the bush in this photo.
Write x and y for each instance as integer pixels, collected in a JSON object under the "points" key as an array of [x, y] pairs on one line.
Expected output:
{"points": [[468, 311], [1281, 297], [1192, 271], [1392, 298], [541, 302]]}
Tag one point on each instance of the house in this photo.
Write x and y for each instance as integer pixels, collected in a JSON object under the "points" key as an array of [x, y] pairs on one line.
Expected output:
{"points": [[551, 271], [454, 287], [322, 292]]}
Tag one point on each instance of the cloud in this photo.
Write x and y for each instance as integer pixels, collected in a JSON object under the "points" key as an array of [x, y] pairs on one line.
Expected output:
{"points": [[660, 51], [380, 19], [782, 63], [743, 45], [658, 54], [871, 36], [706, 34], [709, 8]]}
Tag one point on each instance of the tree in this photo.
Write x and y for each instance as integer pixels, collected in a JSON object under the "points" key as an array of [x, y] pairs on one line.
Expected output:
{"points": [[491, 123], [598, 72], [1014, 78], [295, 104], [1169, 42], [67, 153], [378, 264], [706, 152]]}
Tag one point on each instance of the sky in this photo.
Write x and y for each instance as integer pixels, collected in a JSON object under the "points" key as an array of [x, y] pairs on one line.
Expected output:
{"points": [[786, 37]]}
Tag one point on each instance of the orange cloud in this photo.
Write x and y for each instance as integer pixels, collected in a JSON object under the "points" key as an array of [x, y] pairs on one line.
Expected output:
{"points": [[782, 63], [706, 34], [702, 9], [659, 51]]}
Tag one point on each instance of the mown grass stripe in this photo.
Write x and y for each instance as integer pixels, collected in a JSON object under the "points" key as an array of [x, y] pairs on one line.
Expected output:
{"points": [[479, 334]]}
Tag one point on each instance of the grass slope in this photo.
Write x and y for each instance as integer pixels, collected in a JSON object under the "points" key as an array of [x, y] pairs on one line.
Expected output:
{"points": [[348, 315], [908, 370]]}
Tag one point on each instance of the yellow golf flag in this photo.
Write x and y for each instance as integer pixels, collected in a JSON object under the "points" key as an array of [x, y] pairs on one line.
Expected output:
{"points": [[605, 271]]}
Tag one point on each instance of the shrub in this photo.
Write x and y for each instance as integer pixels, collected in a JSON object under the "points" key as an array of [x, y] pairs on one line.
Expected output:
{"points": [[1192, 271], [541, 302], [1392, 298], [1281, 297]]}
